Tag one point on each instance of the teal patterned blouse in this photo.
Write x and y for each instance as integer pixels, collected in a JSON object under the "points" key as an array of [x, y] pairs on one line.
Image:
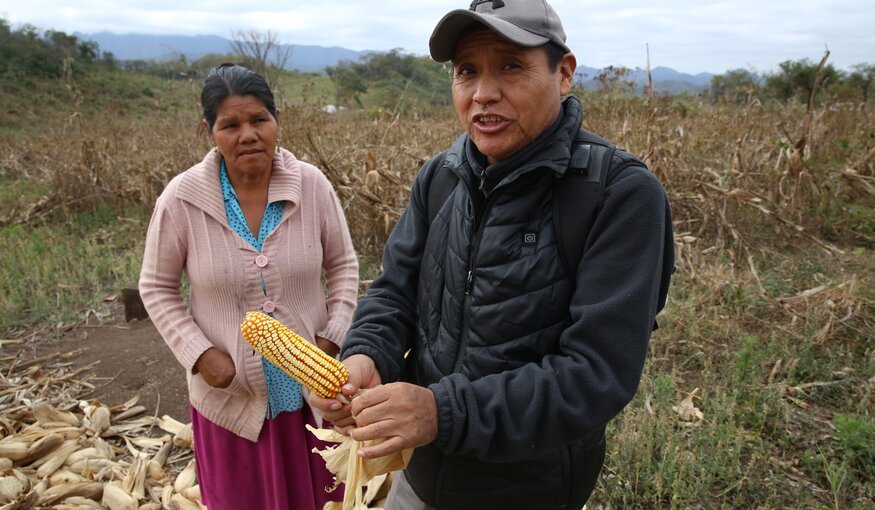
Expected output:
{"points": [[283, 392]]}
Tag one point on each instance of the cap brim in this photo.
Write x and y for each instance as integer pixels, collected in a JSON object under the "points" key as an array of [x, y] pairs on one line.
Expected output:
{"points": [[445, 37]]}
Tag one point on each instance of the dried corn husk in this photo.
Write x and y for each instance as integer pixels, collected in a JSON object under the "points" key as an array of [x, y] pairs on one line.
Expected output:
{"points": [[80, 503], [166, 495], [129, 427], [184, 438], [149, 443], [98, 421], [169, 424], [161, 456], [46, 414], [63, 476], [51, 463], [115, 498], [74, 506], [377, 488], [186, 477], [134, 482], [129, 413], [12, 487], [13, 450], [154, 471], [42, 447], [85, 453], [35, 494], [353, 471], [180, 502], [90, 490], [193, 493], [155, 490]]}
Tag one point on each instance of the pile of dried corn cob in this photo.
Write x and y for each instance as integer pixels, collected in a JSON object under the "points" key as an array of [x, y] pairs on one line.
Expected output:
{"points": [[57, 451], [60, 451]]}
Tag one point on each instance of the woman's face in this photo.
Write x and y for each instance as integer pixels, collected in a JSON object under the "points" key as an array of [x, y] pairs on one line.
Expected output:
{"points": [[246, 134]]}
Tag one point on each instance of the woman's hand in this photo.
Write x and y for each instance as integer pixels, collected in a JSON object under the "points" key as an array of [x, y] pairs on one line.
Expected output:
{"points": [[328, 346], [215, 367]]}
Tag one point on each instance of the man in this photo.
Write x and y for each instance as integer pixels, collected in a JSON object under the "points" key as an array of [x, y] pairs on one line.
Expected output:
{"points": [[475, 346]]}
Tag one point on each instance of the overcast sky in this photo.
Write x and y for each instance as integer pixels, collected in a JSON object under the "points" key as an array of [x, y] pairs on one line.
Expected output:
{"points": [[688, 35]]}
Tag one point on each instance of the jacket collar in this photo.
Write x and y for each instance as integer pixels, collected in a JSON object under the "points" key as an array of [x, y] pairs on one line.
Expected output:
{"points": [[201, 185]]}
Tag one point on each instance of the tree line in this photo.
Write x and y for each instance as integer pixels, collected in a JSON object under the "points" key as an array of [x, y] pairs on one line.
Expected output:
{"points": [[795, 81], [395, 80], [28, 52]]}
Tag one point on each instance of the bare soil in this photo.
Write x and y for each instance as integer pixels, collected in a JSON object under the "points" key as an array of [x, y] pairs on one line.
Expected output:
{"points": [[127, 359]]}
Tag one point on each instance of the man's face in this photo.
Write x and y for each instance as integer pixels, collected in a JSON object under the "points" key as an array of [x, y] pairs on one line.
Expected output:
{"points": [[506, 95]]}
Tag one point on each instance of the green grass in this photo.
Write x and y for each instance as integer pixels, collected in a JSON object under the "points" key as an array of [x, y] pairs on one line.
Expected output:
{"points": [[787, 417], [307, 88], [55, 272], [15, 191], [855, 435]]}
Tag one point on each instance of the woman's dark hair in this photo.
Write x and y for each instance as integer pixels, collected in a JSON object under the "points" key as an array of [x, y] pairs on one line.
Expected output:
{"points": [[228, 80]]}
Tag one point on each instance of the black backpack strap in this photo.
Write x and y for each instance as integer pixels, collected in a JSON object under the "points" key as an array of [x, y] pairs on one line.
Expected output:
{"points": [[578, 196], [444, 180], [442, 184]]}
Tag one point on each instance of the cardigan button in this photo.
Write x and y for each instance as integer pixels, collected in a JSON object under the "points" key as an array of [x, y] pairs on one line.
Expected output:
{"points": [[268, 307], [261, 261]]}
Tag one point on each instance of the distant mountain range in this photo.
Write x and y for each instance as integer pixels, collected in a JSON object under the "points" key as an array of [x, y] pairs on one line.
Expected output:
{"points": [[664, 79], [308, 58], [170, 47]]}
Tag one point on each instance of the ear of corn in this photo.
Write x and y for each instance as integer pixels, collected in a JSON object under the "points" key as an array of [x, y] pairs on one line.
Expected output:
{"points": [[302, 360]]}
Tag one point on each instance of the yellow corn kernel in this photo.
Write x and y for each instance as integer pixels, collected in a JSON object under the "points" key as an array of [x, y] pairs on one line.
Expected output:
{"points": [[307, 363]]}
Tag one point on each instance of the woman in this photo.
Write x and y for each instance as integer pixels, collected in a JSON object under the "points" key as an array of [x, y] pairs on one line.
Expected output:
{"points": [[253, 228]]}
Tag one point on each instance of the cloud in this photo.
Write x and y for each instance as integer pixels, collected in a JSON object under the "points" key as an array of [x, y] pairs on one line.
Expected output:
{"points": [[690, 36]]}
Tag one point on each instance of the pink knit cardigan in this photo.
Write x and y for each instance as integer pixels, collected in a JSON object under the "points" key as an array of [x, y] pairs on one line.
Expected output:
{"points": [[189, 232]]}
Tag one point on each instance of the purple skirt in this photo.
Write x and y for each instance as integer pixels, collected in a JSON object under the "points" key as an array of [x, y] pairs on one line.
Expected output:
{"points": [[277, 472]]}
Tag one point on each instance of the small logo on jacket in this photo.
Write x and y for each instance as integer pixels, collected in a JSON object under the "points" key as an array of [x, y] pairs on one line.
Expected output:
{"points": [[530, 238]]}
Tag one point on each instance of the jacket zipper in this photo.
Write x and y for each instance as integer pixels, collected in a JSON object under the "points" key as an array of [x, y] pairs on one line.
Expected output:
{"points": [[469, 283], [472, 254], [478, 218]]}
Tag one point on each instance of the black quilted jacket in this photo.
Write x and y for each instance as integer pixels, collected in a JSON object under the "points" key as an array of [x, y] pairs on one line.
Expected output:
{"points": [[526, 366]]}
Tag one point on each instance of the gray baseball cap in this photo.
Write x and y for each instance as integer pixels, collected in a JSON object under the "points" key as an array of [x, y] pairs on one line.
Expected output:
{"points": [[529, 23]]}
